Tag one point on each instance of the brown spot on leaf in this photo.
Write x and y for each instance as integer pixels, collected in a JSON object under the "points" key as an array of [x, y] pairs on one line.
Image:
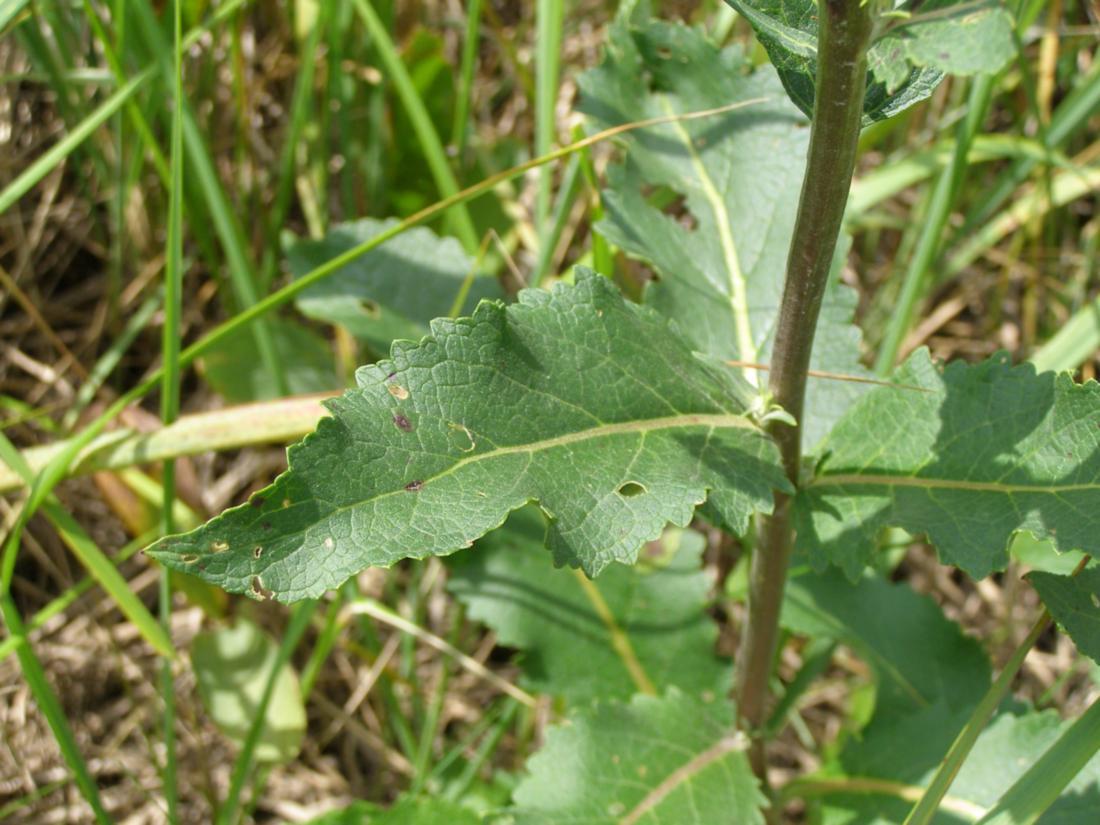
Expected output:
{"points": [[256, 501], [219, 546], [414, 486], [402, 423], [259, 590], [397, 391]]}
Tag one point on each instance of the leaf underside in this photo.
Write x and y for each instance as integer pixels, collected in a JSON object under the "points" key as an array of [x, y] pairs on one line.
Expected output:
{"points": [[576, 399], [788, 31], [720, 250], [632, 629], [968, 456], [1074, 602], [671, 759]]}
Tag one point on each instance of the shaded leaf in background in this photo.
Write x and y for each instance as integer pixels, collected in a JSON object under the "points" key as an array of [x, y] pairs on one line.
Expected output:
{"points": [[393, 291], [1074, 602], [975, 455], [929, 674], [574, 398], [1005, 750], [232, 666], [406, 811], [631, 629], [788, 30], [720, 265], [917, 652], [234, 370], [672, 760]]}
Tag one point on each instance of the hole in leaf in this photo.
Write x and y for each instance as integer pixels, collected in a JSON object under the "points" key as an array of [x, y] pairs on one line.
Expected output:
{"points": [[219, 546], [259, 590], [257, 551], [631, 489]]}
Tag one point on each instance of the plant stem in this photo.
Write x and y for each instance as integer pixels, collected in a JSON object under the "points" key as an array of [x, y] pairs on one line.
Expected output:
{"points": [[845, 29]]}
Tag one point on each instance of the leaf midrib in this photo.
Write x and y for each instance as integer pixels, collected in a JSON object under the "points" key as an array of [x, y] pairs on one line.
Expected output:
{"points": [[738, 294], [641, 426], [874, 479]]}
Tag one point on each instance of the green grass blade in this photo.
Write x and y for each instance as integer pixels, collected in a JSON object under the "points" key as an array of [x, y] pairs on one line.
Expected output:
{"points": [[10, 10], [567, 196], [1037, 790], [432, 147], [221, 213], [460, 129], [300, 618], [916, 281], [288, 157], [91, 558], [1071, 115], [64, 147], [50, 707], [170, 401], [549, 20], [107, 362], [924, 811], [66, 599], [1074, 343]]}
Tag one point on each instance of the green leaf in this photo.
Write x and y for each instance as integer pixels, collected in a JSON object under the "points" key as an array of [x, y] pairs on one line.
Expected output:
{"points": [[234, 370], [640, 628], [721, 259], [788, 30], [1004, 752], [967, 455], [928, 673], [1074, 602], [573, 398], [395, 290], [918, 655], [232, 666], [671, 760], [960, 37], [406, 811], [1068, 762]]}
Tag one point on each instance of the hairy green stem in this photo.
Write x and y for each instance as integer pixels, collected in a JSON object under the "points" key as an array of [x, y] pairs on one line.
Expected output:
{"points": [[844, 33]]}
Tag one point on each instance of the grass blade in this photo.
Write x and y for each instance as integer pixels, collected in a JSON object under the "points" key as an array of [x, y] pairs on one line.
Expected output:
{"points": [[299, 620], [50, 708], [1044, 781], [90, 557], [924, 811], [430, 144], [64, 147], [946, 188], [460, 130], [549, 19], [170, 400]]}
